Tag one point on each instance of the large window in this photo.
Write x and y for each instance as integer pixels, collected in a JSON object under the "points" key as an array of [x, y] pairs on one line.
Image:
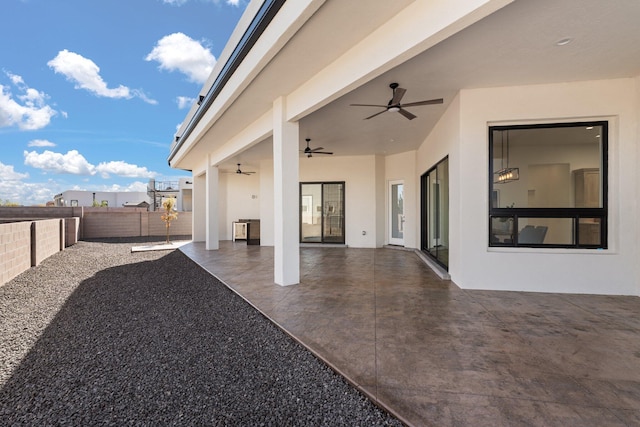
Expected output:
{"points": [[548, 185]]}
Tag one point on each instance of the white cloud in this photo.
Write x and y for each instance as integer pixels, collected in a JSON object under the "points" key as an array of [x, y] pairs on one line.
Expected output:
{"points": [[175, 2], [7, 173], [29, 111], [26, 193], [85, 74], [179, 52], [13, 189], [134, 186], [120, 168], [41, 143], [15, 79], [74, 163], [143, 96], [71, 163], [185, 102]]}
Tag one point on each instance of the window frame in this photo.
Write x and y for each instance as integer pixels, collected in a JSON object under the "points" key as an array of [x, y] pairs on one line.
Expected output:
{"points": [[424, 212], [342, 241], [574, 213]]}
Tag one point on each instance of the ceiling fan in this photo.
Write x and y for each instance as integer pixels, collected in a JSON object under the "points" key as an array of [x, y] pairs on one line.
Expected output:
{"points": [[241, 172], [394, 104], [309, 152]]}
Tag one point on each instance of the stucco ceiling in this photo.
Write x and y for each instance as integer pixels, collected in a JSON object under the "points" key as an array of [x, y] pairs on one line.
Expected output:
{"points": [[515, 46]]}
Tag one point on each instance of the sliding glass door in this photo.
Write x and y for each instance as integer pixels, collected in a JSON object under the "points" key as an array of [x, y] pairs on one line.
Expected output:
{"points": [[435, 213], [322, 212]]}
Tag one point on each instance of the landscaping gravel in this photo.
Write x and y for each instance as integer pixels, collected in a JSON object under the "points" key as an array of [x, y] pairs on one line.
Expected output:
{"points": [[97, 335]]}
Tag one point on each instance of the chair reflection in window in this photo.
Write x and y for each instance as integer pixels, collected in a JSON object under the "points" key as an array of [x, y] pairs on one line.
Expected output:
{"points": [[531, 235]]}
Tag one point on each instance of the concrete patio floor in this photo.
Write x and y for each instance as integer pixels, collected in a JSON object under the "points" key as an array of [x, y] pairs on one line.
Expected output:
{"points": [[434, 354]]}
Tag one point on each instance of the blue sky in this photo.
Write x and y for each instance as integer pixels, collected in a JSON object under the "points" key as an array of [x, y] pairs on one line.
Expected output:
{"points": [[92, 91]]}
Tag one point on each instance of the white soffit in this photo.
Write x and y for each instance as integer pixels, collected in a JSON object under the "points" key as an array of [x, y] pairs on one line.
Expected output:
{"points": [[516, 45]]}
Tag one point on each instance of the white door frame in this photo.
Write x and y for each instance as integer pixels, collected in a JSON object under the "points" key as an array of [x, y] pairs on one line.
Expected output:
{"points": [[390, 213]]}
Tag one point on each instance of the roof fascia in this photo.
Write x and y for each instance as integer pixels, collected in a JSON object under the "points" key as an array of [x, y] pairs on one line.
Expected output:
{"points": [[252, 33]]}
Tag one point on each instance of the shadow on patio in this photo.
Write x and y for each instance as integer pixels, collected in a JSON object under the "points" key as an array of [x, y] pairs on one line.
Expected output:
{"points": [[162, 342]]}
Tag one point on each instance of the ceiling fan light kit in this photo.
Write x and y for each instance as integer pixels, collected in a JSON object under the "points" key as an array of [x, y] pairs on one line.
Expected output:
{"points": [[395, 106], [241, 172], [309, 152]]}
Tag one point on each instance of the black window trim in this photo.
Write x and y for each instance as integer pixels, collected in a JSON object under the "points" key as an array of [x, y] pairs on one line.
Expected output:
{"points": [[424, 213], [344, 213], [570, 213]]}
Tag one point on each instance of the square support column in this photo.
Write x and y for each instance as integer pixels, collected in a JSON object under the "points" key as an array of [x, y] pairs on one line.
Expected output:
{"points": [[285, 194], [199, 218], [213, 238]]}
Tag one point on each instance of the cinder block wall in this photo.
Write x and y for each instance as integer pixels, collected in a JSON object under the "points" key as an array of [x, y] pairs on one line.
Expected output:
{"points": [[36, 212], [180, 226], [15, 249], [96, 223], [72, 231], [47, 237], [26, 241], [110, 224]]}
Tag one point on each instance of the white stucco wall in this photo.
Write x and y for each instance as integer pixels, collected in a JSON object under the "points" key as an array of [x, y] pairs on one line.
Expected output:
{"points": [[403, 167], [266, 203], [359, 175], [443, 141], [474, 265], [239, 199]]}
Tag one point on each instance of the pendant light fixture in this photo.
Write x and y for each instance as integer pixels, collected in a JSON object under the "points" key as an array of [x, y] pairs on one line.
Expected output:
{"points": [[505, 174]]}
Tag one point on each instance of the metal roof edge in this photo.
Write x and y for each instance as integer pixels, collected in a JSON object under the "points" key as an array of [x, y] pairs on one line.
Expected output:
{"points": [[258, 25]]}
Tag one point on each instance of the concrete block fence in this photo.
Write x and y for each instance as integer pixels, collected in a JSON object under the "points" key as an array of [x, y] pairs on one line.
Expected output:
{"points": [[15, 249], [28, 235], [25, 244]]}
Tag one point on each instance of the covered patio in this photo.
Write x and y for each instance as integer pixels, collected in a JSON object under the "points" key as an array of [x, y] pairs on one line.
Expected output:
{"points": [[434, 354]]}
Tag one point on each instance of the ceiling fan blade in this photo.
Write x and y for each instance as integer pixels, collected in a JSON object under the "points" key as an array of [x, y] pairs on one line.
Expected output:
{"points": [[370, 117], [407, 114], [398, 93], [428, 102], [323, 152], [368, 105], [315, 150]]}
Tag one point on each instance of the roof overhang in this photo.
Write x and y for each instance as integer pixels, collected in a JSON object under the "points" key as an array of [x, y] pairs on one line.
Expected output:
{"points": [[319, 59]]}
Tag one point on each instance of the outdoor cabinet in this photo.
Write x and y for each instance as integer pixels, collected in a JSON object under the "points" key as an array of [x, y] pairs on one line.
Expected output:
{"points": [[253, 231], [239, 230]]}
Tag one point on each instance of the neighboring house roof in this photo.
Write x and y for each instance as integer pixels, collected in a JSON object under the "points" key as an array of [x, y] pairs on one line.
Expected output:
{"points": [[142, 204]]}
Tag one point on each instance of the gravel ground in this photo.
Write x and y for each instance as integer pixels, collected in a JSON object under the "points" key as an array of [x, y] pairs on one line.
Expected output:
{"points": [[97, 335]]}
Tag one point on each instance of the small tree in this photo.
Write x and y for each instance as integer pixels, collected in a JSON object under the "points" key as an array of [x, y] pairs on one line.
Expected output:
{"points": [[170, 213]]}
